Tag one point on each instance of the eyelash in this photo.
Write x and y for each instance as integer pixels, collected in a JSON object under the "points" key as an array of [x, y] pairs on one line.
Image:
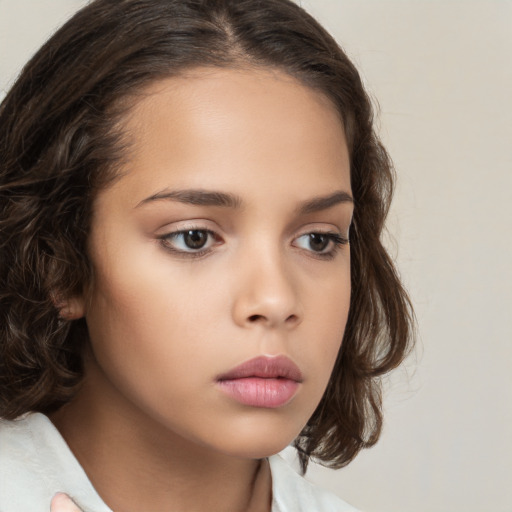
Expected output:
{"points": [[335, 240], [168, 237]]}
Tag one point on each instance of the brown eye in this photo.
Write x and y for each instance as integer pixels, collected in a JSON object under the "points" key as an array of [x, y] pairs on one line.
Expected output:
{"points": [[318, 242], [195, 238], [321, 245], [190, 241]]}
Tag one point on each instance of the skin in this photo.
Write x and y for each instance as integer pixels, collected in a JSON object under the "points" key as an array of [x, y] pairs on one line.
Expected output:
{"points": [[62, 503], [165, 322]]}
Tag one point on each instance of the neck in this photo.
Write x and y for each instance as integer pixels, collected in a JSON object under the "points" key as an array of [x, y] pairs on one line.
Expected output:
{"points": [[136, 464]]}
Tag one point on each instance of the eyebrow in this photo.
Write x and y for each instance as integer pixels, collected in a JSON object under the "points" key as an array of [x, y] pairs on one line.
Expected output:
{"points": [[196, 197], [319, 204], [199, 197]]}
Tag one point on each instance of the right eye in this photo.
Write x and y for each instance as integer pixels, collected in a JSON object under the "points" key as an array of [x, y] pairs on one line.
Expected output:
{"points": [[190, 241]]}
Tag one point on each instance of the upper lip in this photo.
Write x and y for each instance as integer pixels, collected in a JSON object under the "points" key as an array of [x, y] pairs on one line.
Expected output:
{"points": [[265, 367]]}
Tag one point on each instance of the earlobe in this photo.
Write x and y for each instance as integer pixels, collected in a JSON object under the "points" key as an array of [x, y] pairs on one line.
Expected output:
{"points": [[71, 309]]}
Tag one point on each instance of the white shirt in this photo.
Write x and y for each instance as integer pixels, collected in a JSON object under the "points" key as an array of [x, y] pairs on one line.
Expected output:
{"points": [[36, 462]]}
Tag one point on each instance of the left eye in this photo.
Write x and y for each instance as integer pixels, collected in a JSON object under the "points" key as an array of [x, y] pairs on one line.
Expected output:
{"points": [[321, 243], [190, 240]]}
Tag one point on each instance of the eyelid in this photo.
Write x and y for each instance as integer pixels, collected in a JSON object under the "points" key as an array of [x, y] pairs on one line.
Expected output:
{"points": [[165, 238], [325, 228], [335, 240], [335, 237]]}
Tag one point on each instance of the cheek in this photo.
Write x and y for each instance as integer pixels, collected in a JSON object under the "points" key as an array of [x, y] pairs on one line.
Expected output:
{"points": [[146, 347], [326, 323], [330, 305], [150, 320], [129, 308]]}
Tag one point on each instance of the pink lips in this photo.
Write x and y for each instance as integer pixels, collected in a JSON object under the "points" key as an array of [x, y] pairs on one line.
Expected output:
{"points": [[268, 382]]}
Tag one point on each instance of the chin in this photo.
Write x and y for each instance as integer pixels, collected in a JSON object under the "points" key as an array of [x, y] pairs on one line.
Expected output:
{"points": [[259, 450], [258, 442]]}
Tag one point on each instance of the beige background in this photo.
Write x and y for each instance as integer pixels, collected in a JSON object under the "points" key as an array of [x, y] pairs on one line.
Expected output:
{"points": [[442, 72]]}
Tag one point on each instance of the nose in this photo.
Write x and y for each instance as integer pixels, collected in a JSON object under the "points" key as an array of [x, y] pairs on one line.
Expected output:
{"points": [[267, 294]]}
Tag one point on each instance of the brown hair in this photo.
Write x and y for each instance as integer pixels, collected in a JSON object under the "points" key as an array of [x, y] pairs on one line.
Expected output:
{"points": [[59, 144]]}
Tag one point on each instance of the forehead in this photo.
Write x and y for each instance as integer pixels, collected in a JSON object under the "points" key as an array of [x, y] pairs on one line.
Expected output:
{"points": [[231, 128]]}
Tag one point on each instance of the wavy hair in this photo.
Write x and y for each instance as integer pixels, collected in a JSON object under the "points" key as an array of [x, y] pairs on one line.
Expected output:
{"points": [[60, 142]]}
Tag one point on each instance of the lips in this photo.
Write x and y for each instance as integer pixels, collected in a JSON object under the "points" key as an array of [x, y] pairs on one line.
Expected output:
{"points": [[267, 382]]}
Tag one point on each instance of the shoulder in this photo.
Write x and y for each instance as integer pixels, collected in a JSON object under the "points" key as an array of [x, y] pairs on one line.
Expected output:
{"points": [[24, 479], [35, 463], [292, 492]]}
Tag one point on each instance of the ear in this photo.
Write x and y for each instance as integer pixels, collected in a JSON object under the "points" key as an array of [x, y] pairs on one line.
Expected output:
{"points": [[71, 309]]}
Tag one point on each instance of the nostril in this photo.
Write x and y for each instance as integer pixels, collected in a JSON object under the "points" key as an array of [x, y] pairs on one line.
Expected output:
{"points": [[261, 318]]}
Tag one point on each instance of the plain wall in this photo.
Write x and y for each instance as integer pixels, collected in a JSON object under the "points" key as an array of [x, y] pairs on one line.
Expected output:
{"points": [[442, 73]]}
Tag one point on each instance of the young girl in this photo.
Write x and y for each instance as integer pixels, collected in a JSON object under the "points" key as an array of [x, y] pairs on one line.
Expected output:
{"points": [[192, 197]]}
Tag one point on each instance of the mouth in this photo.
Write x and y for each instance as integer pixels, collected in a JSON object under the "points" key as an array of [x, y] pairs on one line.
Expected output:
{"points": [[267, 382]]}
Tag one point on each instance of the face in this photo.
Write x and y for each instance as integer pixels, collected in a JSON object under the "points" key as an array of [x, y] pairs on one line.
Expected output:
{"points": [[221, 264]]}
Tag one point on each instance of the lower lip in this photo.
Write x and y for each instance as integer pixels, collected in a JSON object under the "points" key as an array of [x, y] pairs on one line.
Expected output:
{"points": [[259, 392]]}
